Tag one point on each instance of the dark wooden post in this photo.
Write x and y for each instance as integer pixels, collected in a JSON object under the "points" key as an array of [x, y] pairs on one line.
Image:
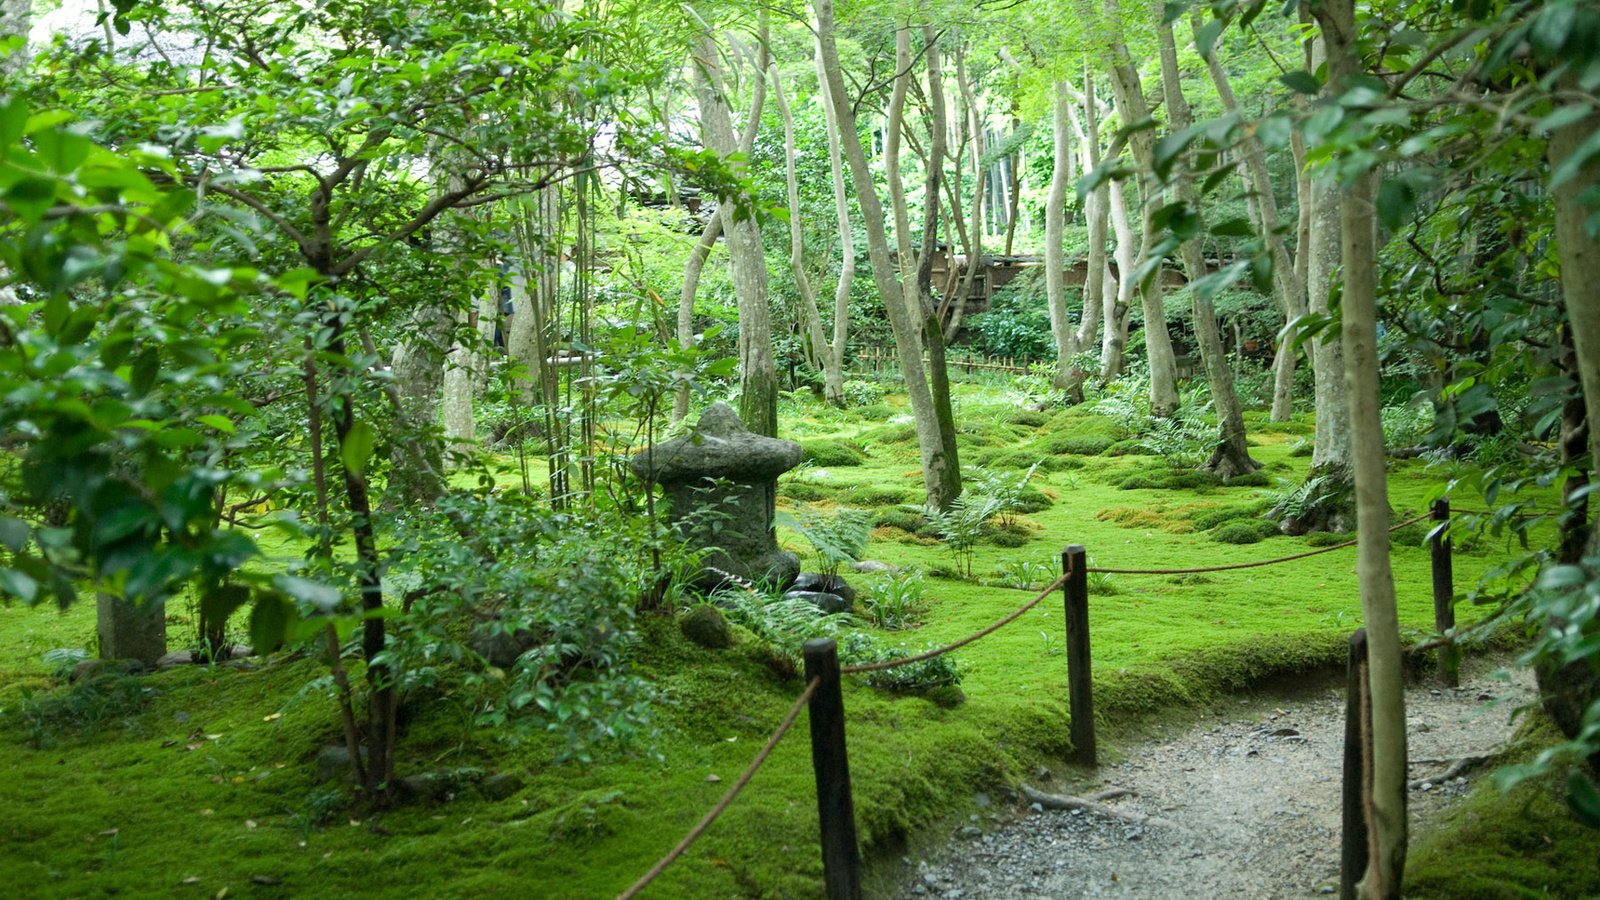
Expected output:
{"points": [[1444, 611], [1080, 689], [841, 858], [1357, 719]]}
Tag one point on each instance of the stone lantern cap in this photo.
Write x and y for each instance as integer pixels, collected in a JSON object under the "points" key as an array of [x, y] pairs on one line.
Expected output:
{"points": [[719, 447]]}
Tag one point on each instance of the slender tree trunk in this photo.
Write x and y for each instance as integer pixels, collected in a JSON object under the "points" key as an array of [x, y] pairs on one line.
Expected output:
{"points": [[979, 193], [691, 286], [1333, 506], [1134, 109], [1232, 454], [758, 376], [1579, 254], [847, 242], [1386, 805], [1119, 290], [828, 358], [1289, 290], [1098, 210], [941, 473], [1066, 340]]}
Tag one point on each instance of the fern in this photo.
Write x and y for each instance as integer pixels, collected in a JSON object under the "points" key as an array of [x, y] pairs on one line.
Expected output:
{"points": [[836, 539]]}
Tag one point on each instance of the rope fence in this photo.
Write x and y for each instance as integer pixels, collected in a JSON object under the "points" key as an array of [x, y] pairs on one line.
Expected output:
{"points": [[841, 856], [727, 796]]}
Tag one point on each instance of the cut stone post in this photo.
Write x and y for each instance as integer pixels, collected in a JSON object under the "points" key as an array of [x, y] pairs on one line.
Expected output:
{"points": [[721, 484], [131, 632]]}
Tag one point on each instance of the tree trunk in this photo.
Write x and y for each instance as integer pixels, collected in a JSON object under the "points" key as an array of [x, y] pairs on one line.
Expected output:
{"points": [[1098, 210], [1386, 805], [758, 375], [1290, 291], [691, 286], [1232, 454], [1118, 298], [1134, 109], [822, 352], [1332, 508], [979, 193], [1066, 340], [940, 473], [834, 392]]}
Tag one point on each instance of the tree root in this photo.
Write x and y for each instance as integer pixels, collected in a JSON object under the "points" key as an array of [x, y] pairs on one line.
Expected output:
{"points": [[1457, 767], [1094, 805]]}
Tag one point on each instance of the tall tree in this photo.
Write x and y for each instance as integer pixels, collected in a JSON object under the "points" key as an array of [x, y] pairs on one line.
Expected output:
{"points": [[758, 375], [1386, 796], [1135, 112], [1231, 456], [941, 472]]}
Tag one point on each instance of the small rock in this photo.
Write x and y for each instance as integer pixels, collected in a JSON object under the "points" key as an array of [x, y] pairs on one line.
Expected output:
{"points": [[981, 800], [1043, 774], [705, 625], [828, 603], [174, 659], [713, 779], [1427, 785], [1036, 807], [826, 584], [500, 785], [333, 763], [871, 567]]}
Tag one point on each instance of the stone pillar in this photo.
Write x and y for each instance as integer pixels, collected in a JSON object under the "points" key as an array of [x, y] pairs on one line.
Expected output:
{"points": [[721, 484], [131, 632]]}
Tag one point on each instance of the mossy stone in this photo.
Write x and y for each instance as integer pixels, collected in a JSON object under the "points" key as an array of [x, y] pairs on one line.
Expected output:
{"points": [[705, 625]]}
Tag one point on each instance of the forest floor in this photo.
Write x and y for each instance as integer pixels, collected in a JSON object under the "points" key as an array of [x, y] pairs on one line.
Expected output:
{"points": [[1245, 801]]}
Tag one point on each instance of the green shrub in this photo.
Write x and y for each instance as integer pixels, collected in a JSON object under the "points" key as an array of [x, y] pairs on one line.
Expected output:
{"points": [[859, 393], [858, 648], [895, 600], [1010, 538], [1237, 533], [833, 453]]}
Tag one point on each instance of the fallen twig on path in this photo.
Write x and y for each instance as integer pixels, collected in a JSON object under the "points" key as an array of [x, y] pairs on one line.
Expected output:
{"points": [[1464, 764], [1093, 805]]}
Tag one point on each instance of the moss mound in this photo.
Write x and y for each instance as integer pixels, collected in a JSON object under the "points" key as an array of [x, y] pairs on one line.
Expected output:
{"points": [[827, 452], [1076, 444]]}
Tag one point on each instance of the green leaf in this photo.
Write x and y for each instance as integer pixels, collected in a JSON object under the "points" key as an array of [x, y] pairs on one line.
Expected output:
{"points": [[1397, 201], [356, 448], [269, 622], [19, 585], [1205, 39], [1583, 799], [14, 533], [217, 604], [1302, 82], [323, 597], [220, 423]]}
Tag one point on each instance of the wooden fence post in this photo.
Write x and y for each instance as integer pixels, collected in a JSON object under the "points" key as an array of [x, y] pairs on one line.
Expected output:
{"points": [[1080, 688], [1357, 718], [841, 858], [1444, 611]]}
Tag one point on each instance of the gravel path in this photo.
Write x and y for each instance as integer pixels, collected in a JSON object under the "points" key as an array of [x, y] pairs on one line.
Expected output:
{"points": [[1252, 792]]}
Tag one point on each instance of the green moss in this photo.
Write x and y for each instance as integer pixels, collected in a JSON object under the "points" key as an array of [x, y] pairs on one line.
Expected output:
{"points": [[829, 453], [1032, 500], [1028, 418], [1127, 448], [905, 518], [891, 434], [1237, 533], [1075, 444], [1521, 844], [1327, 538], [1250, 479], [874, 495], [804, 490]]}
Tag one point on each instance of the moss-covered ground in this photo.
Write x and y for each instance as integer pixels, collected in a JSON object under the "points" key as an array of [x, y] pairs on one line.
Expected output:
{"points": [[196, 780]]}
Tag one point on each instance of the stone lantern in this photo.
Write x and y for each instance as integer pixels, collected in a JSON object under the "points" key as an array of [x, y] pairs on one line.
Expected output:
{"points": [[721, 483]]}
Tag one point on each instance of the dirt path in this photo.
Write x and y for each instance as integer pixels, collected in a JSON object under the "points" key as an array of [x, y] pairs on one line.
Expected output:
{"points": [[1252, 793]]}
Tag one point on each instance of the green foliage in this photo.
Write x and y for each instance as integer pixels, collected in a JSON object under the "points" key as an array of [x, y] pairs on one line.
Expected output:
{"points": [[836, 537], [896, 600], [565, 600], [906, 518], [1017, 323], [1244, 532], [81, 711], [1077, 444], [859, 393], [963, 524], [860, 648]]}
